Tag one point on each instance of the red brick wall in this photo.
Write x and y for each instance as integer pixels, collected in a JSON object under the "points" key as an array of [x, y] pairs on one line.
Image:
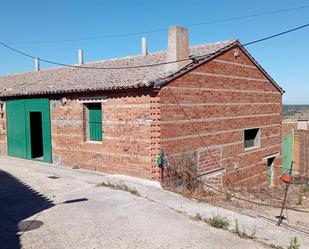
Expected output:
{"points": [[209, 159], [288, 125], [303, 152], [130, 134], [222, 98]]}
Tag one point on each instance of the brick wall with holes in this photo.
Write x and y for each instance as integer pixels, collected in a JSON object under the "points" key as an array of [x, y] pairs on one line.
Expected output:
{"points": [[222, 98], [130, 132]]}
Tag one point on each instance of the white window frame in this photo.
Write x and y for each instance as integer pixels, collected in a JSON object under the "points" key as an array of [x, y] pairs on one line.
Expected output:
{"points": [[257, 139]]}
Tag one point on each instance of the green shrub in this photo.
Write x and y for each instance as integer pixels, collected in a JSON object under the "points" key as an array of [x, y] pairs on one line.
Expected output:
{"points": [[218, 222]]}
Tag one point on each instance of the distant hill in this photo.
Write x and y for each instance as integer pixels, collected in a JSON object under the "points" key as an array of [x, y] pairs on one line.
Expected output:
{"points": [[295, 111]]}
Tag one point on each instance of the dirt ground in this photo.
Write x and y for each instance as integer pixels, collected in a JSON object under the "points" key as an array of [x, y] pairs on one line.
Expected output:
{"points": [[265, 202], [296, 211]]}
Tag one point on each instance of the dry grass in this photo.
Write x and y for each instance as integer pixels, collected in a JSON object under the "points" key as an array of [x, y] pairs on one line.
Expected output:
{"points": [[119, 186]]}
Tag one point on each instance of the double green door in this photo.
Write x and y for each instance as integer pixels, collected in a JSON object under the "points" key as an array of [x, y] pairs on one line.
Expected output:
{"points": [[28, 128]]}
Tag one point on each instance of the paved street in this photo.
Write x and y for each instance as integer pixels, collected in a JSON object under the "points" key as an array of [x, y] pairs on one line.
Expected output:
{"points": [[70, 211]]}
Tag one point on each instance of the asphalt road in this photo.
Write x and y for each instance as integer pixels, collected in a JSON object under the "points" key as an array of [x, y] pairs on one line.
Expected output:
{"points": [[68, 212]]}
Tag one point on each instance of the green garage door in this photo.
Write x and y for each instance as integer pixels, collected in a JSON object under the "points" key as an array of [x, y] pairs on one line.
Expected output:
{"points": [[287, 151], [28, 129]]}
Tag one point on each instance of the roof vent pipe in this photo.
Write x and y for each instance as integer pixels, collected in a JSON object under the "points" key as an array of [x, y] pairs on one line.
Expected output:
{"points": [[80, 57], [178, 48], [144, 46], [37, 64]]}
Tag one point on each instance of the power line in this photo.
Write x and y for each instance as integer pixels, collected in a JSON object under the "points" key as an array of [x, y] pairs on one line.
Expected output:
{"points": [[279, 34], [88, 67], [248, 16], [149, 65], [192, 125], [252, 202], [164, 29]]}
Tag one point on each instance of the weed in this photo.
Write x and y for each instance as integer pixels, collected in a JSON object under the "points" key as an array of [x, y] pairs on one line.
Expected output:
{"points": [[76, 167], [300, 199], [294, 244], [181, 172], [205, 192], [119, 186], [276, 247], [198, 216], [242, 234], [218, 222], [304, 188], [227, 198], [237, 229]]}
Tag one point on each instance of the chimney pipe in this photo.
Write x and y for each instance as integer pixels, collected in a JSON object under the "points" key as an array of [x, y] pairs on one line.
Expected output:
{"points": [[37, 64], [80, 57], [144, 46], [178, 48]]}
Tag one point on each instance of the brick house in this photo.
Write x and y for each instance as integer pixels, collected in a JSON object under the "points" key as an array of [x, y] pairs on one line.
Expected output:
{"points": [[216, 102]]}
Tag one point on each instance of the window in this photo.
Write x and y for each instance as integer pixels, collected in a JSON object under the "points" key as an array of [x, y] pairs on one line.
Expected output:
{"points": [[252, 138], [94, 121]]}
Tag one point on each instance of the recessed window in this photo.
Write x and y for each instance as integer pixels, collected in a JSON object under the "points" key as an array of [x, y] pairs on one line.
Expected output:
{"points": [[94, 121], [252, 138]]}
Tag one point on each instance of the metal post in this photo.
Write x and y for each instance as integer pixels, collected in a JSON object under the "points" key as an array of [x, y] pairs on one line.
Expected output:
{"points": [[281, 216]]}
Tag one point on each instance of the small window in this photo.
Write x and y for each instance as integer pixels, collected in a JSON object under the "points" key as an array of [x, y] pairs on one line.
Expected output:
{"points": [[252, 138], [94, 121]]}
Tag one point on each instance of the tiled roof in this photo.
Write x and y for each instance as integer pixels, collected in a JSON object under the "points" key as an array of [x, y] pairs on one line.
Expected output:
{"points": [[68, 79]]}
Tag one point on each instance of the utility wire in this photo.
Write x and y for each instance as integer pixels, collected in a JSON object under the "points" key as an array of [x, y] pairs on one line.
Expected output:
{"points": [[194, 128], [197, 132], [211, 187], [279, 34], [88, 67], [165, 29], [163, 63], [253, 202], [148, 65]]}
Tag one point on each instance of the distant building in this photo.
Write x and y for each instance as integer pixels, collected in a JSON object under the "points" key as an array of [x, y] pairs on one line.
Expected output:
{"points": [[295, 147], [215, 103]]}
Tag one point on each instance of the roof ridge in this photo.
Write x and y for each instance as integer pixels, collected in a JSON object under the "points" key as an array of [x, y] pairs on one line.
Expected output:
{"points": [[117, 58], [68, 79]]}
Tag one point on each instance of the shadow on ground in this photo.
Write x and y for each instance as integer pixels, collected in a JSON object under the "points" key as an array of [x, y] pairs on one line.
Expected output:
{"points": [[18, 201]]}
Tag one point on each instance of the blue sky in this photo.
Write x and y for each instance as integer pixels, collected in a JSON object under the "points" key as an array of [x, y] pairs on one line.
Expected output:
{"points": [[285, 58]]}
